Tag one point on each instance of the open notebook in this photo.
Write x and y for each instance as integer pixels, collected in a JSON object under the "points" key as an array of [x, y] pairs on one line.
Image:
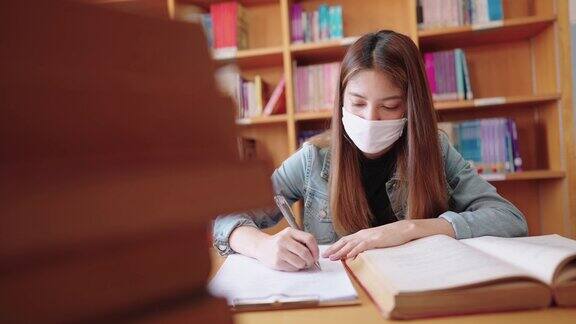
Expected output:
{"points": [[249, 285], [439, 275]]}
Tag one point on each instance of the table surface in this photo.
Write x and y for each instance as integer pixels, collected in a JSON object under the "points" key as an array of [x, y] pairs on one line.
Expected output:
{"points": [[367, 313]]}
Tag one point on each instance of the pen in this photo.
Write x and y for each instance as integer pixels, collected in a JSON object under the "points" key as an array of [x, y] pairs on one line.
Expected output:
{"points": [[289, 215]]}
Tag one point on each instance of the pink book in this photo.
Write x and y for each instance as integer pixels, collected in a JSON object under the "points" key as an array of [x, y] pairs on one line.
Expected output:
{"points": [[216, 24], [430, 73], [326, 82], [277, 102], [305, 96]]}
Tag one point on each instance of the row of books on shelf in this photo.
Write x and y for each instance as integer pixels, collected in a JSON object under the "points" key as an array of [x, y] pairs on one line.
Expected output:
{"points": [[251, 95], [490, 145], [315, 86], [323, 23], [448, 75], [451, 13], [225, 26]]}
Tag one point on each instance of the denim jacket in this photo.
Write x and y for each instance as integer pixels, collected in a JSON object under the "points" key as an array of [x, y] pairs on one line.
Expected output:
{"points": [[475, 208]]}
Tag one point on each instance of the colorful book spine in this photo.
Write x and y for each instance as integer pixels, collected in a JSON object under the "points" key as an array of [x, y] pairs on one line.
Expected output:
{"points": [[450, 13], [459, 70], [447, 73], [495, 11], [315, 86], [489, 145], [277, 102], [296, 23], [429, 66], [229, 25], [337, 31], [467, 85], [322, 24]]}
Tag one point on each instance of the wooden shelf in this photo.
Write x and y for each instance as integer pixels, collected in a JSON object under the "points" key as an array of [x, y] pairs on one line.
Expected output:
{"points": [[206, 3], [494, 102], [443, 106], [262, 120], [526, 175], [329, 49], [313, 115], [490, 33], [248, 58]]}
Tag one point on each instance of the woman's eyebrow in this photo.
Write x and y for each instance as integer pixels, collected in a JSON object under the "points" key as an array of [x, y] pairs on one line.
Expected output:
{"points": [[381, 99]]}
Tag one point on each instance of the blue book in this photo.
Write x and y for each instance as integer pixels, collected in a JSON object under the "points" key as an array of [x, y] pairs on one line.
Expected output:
{"points": [[324, 20], [470, 141], [467, 85], [459, 74], [495, 11], [336, 23]]}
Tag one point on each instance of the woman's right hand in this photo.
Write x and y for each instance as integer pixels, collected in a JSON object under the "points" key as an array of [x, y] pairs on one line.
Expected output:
{"points": [[288, 250]]}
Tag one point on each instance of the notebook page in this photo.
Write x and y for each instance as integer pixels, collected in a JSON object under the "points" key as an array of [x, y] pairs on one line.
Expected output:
{"points": [[436, 262], [242, 277], [539, 255]]}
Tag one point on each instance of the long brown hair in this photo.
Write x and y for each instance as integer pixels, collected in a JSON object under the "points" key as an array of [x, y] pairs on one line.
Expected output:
{"points": [[419, 162]]}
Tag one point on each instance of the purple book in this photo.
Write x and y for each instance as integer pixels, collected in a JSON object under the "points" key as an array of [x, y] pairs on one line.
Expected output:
{"points": [[452, 87], [429, 64], [295, 22], [515, 147], [438, 74]]}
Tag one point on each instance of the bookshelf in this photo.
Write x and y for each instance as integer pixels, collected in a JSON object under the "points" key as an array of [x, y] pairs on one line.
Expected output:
{"points": [[519, 69]]}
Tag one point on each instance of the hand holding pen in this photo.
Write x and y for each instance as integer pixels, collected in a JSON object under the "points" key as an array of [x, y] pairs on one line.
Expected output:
{"points": [[289, 216]]}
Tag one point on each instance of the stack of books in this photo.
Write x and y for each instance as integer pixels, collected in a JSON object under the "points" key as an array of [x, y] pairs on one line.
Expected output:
{"points": [[315, 86], [322, 24], [229, 27], [451, 13], [250, 97], [448, 75], [490, 145]]}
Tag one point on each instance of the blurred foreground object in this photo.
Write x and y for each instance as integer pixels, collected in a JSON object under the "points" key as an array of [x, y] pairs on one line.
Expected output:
{"points": [[116, 150]]}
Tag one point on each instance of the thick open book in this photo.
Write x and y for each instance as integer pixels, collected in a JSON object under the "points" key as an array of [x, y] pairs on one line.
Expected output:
{"points": [[249, 285], [439, 275]]}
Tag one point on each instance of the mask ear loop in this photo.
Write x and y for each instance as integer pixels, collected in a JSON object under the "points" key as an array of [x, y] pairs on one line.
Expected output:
{"points": [[344, 130]]}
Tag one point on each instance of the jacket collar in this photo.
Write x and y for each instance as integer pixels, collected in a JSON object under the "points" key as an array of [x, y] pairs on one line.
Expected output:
{"points": [[325, 172]]}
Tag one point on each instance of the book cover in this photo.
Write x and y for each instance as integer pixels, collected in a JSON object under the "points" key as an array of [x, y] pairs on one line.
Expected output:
{"points": [[430, 74], [276, 103], [467, 85], [241, 28], [495, 11], [315, 26], [509, 153], [459, 70], [516, 147], [296, 27], [338, 28], [259, 94], [451, 73], [323, 16], [437, 59]]}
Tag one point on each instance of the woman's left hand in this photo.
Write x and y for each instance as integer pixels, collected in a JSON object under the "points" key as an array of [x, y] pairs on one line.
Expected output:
{"points": [[392, 234], [349, 246]]}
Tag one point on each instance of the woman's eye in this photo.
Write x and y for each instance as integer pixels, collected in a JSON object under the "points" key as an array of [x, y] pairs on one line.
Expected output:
{"points": [[357, 104], [390, 107]]}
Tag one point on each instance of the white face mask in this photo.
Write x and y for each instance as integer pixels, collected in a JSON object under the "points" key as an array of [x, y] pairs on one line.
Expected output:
{"points": [[372, 136]]}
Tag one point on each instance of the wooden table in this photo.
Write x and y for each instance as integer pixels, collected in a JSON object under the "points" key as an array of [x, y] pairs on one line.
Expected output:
{"points": [[367, 313]]}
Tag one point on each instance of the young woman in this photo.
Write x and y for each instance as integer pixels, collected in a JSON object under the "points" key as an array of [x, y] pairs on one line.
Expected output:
{"points": [[381, 176]]}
